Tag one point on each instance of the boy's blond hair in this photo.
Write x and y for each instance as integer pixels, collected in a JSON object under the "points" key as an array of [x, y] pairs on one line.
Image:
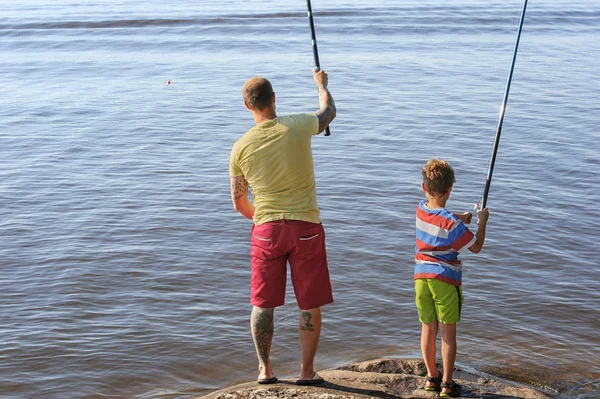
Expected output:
{"points": [[438, 177]]}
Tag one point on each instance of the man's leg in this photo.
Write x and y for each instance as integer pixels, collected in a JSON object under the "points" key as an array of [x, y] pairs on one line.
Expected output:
{"points": [[312, 286], [428, 348], [448, 349], [261, 323], [267, 289], [310, 330]]}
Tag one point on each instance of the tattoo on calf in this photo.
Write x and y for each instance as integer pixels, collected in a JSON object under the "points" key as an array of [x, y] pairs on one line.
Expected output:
{"points": [[262, 332], [307, 326]]}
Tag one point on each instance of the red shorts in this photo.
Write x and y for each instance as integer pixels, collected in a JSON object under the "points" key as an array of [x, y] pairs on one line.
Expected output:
{"points": [[302, 244]]}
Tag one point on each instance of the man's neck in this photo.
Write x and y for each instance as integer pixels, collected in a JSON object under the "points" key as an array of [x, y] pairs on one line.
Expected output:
{"points": [[267, 115]]}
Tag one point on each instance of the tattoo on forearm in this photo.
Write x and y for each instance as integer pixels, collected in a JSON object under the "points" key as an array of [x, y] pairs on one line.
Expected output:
{"points": [[262, 332], [306, 316], [239, 187], [325, 119], [327, 114]]}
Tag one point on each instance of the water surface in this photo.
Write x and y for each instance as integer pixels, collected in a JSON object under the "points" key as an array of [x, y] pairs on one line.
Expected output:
{"points": [[125, 270]]}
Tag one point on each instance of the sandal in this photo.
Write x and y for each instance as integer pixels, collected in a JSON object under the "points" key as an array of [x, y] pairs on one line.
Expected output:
{"points": [[437, 381], [453, 387]]}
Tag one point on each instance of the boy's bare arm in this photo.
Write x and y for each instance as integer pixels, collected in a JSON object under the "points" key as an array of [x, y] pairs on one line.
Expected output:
{"points": [[482, 216]]}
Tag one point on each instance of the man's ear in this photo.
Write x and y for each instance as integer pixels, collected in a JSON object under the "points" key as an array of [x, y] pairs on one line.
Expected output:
{"points": [[247, 105], [273, 97]]}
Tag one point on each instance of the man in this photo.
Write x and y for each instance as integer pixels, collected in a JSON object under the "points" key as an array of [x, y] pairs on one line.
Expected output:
{"points": [[274, 158]]}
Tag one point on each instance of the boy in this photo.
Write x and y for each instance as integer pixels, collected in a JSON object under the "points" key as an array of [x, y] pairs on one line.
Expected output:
{"points": [[441, 235]]}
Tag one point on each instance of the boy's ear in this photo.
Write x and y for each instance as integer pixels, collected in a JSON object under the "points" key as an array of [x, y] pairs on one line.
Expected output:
{"points": [[423, 188]]}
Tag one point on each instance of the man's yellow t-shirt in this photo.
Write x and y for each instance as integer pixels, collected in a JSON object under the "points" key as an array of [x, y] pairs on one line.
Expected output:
{"points": [[275, 157]]}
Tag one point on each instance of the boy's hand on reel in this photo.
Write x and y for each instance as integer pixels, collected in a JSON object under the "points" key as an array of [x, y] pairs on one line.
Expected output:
{"points": [[482, 215]]}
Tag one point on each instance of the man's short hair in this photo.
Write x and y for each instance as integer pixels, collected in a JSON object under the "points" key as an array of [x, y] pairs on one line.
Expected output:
{"points": [[258, 93], [438, 176]]}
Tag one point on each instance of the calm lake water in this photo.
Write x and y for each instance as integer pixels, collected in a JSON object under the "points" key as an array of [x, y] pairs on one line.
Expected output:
{"points": [[125, 270]]}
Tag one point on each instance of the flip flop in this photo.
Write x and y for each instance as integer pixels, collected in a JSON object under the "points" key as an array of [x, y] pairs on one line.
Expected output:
{"points": [[271, 380], [316, 379]]}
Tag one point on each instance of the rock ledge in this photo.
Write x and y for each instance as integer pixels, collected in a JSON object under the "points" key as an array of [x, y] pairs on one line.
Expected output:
{"points": [[382, 378]]}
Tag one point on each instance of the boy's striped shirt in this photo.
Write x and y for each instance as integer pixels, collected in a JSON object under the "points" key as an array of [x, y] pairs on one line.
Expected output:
{"points": [[440, 237]]}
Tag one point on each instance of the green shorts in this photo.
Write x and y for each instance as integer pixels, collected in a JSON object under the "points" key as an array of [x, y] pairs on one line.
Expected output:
{"points": [[437, 300]]}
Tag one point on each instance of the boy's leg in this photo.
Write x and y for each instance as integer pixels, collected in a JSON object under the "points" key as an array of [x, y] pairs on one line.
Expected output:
{"points": [[310, 330], [448, 332], [429, 326], [428, 347], [449, 301]]}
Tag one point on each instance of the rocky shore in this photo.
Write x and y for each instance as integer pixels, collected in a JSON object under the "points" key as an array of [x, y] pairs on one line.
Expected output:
{"points": [[381, 378]]}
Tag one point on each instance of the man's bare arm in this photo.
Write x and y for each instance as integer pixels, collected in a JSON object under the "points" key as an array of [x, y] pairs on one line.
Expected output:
{"points": [[239, 187], [239, 196], [327, 112]]}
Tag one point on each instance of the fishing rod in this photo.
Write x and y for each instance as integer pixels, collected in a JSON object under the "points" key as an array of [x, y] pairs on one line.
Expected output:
{"points": [[314, 47], [488, 181]]}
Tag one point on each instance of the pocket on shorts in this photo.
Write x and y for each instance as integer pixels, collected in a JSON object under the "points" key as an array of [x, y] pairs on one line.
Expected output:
{"points": [[263, 236], [310, 243], [261, 240], [310, 237]]}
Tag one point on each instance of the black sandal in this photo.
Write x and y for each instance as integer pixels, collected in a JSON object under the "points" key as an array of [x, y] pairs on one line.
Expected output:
{"points": [[453, 387], [437, 381]]}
